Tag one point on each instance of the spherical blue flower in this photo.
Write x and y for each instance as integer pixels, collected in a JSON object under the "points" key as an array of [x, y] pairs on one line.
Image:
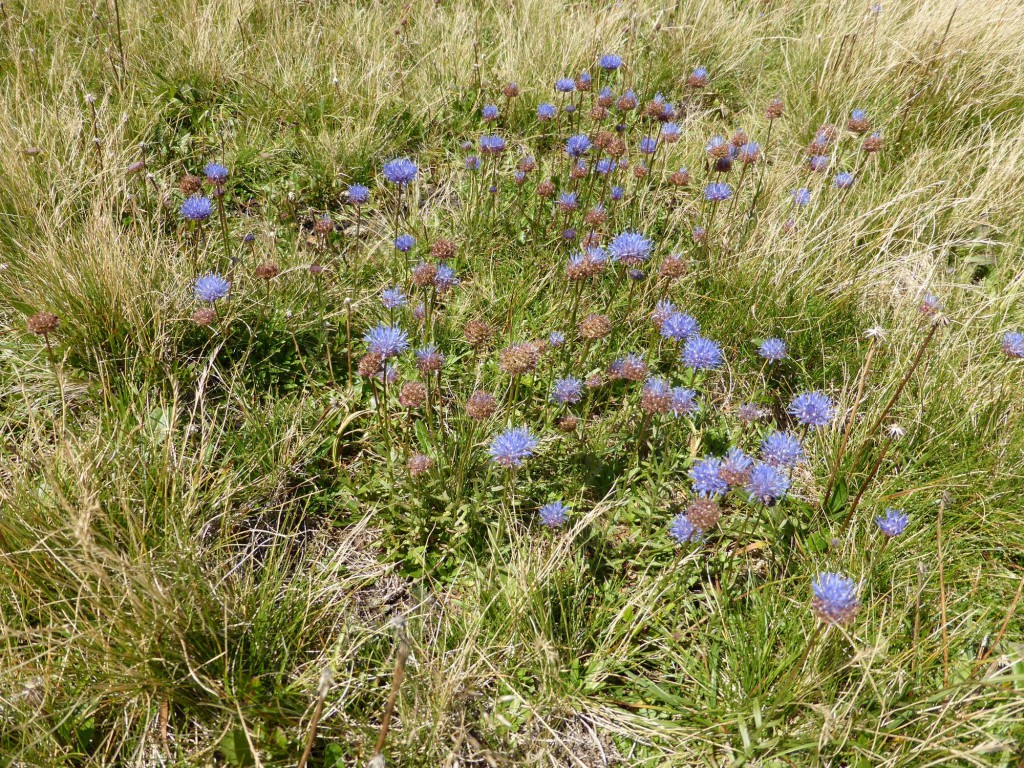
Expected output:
{"points": [[812, 408], [577, 145], [717, 191], [930, 304], [670, 131], [749, 152], [404, 243], [393, 298], [568, 201], [554, 514], [215, 173], [893, 523], [699, 76], [547, 112], [701, 354], [358, 194], [583, 80], [489, 112], [492, 145], [684, 402], [617, 192], [706, 479], [801, 196], [472, 162], [604, 166], [565, 85], [445, 278], [211, 287], [386, 340], [773, 350], [781, 449], [1013, 344], [679, 326], [512, 447], [610, 62], [429, 358], [567, 391], [196, 208], [843, 180], [766, 484], [556, 339], [835, 598], [401, 170], [735, 467], [717, 146], [662, 311], [630, 248], [859, 114], [683, 531], [648, 145], [569, 234]]}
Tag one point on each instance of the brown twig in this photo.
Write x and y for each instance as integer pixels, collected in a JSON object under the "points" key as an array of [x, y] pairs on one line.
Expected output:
{"points": [[325, 685], [389, 709]]}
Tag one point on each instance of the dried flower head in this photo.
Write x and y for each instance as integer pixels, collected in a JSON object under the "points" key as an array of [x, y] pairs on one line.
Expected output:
{"points": [[595, 326], [413, 394], [43, 323]]}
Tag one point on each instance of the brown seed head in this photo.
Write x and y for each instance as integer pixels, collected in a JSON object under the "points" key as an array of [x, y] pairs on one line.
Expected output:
{"points": [[672, 267], [774, 109], [267, 271], [442, 249], [546, 188], [423, 274], [204, 316], [418, 464], [481, 405], [595, 326], [518, 359], [478, 333], [370, 364], [703, 513], [43, 323], [413, 394], [568, 423], [189, 184]]}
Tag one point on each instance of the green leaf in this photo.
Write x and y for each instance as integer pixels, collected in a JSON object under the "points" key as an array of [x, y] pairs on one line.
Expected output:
{"points": [[235, 748]]}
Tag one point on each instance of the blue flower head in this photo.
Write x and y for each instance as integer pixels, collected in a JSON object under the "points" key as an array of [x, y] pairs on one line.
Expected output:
{"points": [[556, 339], [683, 531], [766, 484], [781, 449], [472, 162], [567, 391], [684, 402], [893, 523], [701, 354], [577, 145], [679, 326], [386, 340], [445, 278], [717, 191], [512, 447], [489, 112], [834, 598], [568, 201], [565, 85], [404, 243], [648, 145], [196, 208], [772, 350], [749, 152], [393, 298], [706, 478], [670, 131], [610, 62], [358, 194], [843, 180], [216, 174], [554, 514], [211, 287], [547, 112], [1013, 344], [617, 192], [735, 467], [583, 80], [492, 145], [630, 248], [401, 170], [801, 196], [813, 409]]}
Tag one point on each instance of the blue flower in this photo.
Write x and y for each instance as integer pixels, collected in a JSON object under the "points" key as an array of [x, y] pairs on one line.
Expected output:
{"points": [[930, 304], [547, 112], [404, 243], [429, 358], [216, 174], [835, 598], [197, 208], [1013, 344], [568, 201], [211, 287], [617, 192], [630, 248], [445, 278], [817, 163], [843, 180], [489, 112], [556, 339], [701, 354], [393, 298], [553, 514], [893, 523], [492, 145], [670, 131], [577, 145], [401, 170], [684, 402], [781, 449], [706, 478], [735, 467], [386, 340], [773, 350], [565, 85], [472, 162], [717, 146], [766, 484], [358, 194], [567, 391], [610, 62], [584, 80], [717, 191], [512, 447], [683, 531], [859, 114], [749, 152], [801, 196], [699, 77], [648, 145], [812, 408], [679, 326]]}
